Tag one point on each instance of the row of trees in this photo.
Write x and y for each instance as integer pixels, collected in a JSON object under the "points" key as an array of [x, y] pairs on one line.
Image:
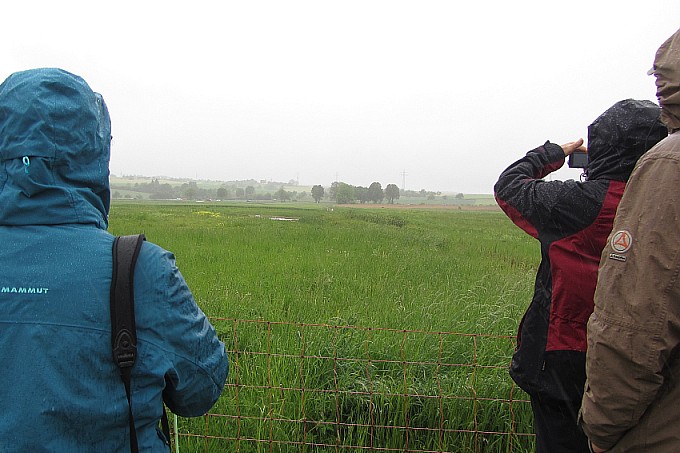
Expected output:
{"points": [[338, 192], [192, 191], [344, 193]]}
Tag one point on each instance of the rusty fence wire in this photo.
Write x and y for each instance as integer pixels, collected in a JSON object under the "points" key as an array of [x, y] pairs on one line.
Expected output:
{"points": [[297, 387]]}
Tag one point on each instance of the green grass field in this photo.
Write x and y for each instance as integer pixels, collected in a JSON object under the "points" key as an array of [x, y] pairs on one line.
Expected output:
{"points": [[423, 290]]}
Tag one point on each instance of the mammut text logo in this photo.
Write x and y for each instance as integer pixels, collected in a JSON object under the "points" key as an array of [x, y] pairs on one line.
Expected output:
{"points": [[23, 290]]}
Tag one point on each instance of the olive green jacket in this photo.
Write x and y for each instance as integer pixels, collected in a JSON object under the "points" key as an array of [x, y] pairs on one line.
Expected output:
{"points": [[632, 395]]}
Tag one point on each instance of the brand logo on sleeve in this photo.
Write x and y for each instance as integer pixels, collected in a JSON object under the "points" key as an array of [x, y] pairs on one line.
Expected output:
{"points": [[22, 290], [621, 242]]}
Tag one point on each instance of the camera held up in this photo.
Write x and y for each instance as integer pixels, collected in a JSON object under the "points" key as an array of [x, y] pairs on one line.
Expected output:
{"points": [[578, 159]]}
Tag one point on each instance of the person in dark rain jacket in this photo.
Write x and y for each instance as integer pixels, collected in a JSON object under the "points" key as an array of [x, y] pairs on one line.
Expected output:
{"points": [[571, 220], [61, 390]]}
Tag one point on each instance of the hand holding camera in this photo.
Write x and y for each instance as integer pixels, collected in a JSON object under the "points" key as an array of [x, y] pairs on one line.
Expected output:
{"points": [[578, 154]]}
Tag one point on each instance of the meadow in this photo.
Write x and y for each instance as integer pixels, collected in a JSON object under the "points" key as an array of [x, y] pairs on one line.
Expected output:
{"points": [[343, 323]]}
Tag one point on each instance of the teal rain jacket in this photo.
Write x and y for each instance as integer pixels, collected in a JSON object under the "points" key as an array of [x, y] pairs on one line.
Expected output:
{"points": [[60, 389]]}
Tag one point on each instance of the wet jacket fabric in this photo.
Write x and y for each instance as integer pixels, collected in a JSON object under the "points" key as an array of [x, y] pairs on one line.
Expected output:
{"points": [[572, 221], [633, 360], [61, 391]]}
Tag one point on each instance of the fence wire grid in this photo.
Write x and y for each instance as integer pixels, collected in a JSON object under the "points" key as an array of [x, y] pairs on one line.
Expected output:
{"points": [[297, 387]]}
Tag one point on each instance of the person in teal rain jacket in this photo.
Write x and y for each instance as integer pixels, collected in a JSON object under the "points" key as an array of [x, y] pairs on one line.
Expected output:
{"points": [[60, 388]]}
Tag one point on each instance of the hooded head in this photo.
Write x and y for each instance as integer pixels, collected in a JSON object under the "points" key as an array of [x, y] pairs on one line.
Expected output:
{"points": [[667, 71], [55, 138], [618, 137]]}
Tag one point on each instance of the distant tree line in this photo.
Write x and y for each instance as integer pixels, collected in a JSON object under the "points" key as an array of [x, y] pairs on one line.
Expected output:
{"points": [[338, 192], [190, 190], [344, 193]]}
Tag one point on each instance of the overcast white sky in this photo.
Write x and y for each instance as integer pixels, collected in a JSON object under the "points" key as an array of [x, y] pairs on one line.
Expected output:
{"points": [[447, 92]]}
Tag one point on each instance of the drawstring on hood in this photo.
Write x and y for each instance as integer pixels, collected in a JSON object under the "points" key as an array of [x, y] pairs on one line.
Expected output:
{"points": [[618, 137], [55, 137]]}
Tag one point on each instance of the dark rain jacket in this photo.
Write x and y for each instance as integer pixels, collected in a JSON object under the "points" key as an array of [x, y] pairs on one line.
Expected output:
{"points": [[571, 220], [61, 391], [633, 361]]}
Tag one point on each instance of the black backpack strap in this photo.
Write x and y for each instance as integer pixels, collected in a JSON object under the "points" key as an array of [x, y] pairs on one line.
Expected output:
{"points": [[123, 329]]}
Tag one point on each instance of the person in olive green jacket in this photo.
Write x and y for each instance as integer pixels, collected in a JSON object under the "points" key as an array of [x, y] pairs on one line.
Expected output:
{"points": [[632, 393]]}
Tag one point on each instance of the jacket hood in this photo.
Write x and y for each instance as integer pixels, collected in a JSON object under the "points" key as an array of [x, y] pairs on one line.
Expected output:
{"points": [[618, 137], [55, 138], [667, 71]]}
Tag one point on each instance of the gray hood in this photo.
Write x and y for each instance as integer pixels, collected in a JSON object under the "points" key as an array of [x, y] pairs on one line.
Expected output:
{"points": [[667, 71]]}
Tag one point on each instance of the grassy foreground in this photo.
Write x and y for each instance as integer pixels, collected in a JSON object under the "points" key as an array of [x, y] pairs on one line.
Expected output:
{"points": [[433, 297]]}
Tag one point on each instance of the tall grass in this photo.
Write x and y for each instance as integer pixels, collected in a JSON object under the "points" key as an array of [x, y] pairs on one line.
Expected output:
{"points": [[400, 276]]}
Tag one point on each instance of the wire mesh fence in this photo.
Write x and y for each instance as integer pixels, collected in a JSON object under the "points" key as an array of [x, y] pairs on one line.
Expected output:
{"points": [[297, 387]]}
